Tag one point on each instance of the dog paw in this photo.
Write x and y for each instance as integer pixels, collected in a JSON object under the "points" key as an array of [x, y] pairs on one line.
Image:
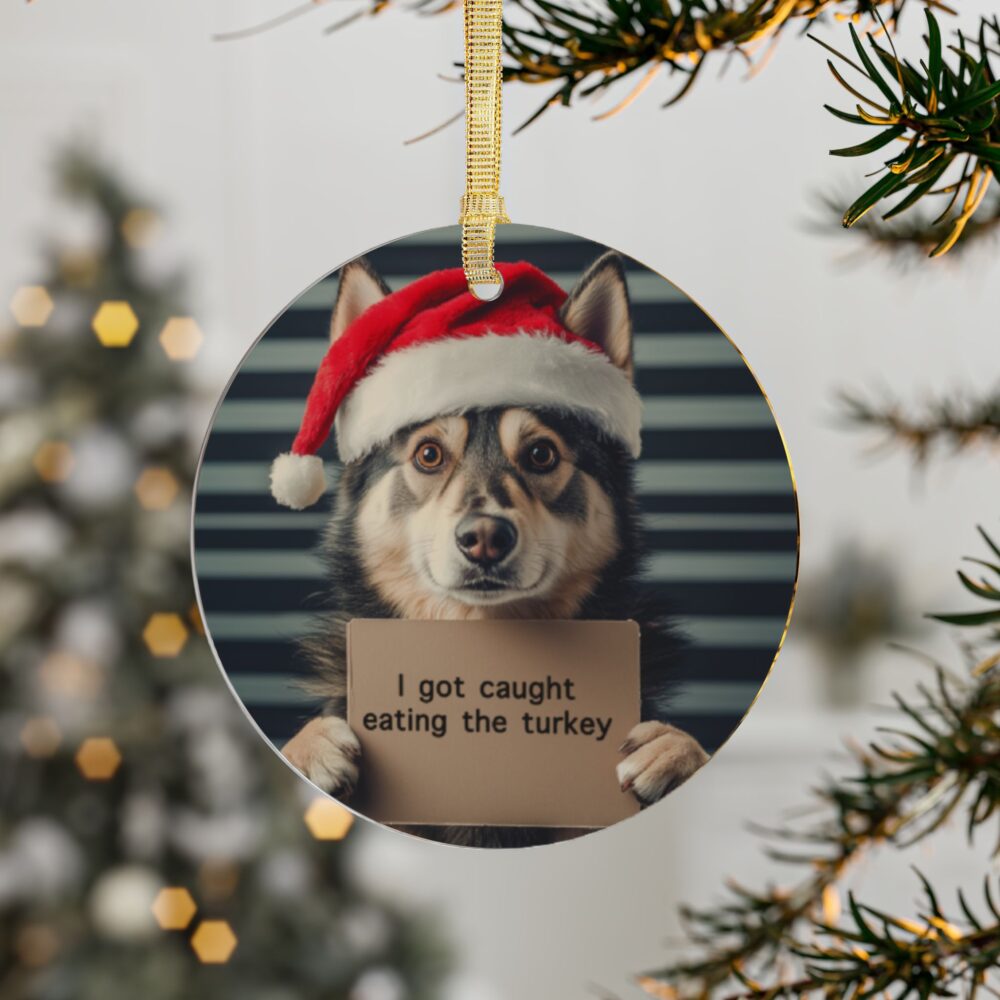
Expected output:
{"points": [[658, 758], [326, 751]]}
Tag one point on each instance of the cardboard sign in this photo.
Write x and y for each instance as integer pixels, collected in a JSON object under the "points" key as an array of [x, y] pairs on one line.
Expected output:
{"points": [[498, 723]]}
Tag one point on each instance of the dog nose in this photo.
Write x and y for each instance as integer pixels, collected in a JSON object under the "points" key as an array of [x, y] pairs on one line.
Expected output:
{"points": [[485, 540]]}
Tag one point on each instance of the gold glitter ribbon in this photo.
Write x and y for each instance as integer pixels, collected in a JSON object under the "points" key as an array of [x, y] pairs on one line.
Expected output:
{"points": [[482, 206]]}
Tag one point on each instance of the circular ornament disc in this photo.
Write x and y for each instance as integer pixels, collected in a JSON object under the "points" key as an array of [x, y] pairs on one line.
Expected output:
{"points": [[495, 573]]}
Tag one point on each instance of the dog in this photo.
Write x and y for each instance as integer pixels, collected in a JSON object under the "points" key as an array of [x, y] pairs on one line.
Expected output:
{"points": [[498, 512]]}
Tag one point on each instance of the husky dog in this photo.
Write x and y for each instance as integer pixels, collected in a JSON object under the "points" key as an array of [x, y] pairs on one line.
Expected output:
{"points": [[495, 512]]}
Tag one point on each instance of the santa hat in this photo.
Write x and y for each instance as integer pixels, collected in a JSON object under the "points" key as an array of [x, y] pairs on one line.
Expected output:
{"points": [[432, 348]]}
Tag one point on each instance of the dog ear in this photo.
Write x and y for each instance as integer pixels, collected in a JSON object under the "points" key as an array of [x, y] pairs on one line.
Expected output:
{"points": [[598, 310], [360, 288]]}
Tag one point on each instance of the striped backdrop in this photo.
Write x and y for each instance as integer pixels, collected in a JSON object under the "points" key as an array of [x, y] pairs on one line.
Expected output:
{"points": [[715, 490]]}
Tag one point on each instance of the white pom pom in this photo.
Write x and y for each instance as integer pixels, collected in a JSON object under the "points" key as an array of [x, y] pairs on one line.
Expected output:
{"points": [[297, 481]]}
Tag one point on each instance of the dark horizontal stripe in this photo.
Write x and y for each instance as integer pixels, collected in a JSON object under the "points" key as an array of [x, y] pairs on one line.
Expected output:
{"points": [[752, 444], [714, 381], [241, 539], [753, 598], [260, 657], [258, 594], [243, 503], [693, 664], [676, 382], [417, 258], [716, 444], [260, 539], [706, 666], [719, 541], [647, 317], [280, 723], [259, 446], [280, 657], [711, 731], [715, 503], [670, 317]]}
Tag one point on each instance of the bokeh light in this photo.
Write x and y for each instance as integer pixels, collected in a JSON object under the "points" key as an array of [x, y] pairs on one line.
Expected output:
{"points": [[165, 634], [213, 942], [31, 305], [40, 736], [140, 227], [327, 820], [156, 488], [174, 908], [53, 461], [115, 324], [67, 675], [181, 338], [98, 758]]}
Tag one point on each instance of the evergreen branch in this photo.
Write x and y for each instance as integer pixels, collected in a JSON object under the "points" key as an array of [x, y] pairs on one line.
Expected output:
{"points": [[955, 423], [909, 239], [944, 754], [930, 957], [585, 49], [946, 112]]}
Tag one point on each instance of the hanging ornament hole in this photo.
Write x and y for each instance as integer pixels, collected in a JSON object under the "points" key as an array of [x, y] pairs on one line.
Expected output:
{"points": [[488, 291]]}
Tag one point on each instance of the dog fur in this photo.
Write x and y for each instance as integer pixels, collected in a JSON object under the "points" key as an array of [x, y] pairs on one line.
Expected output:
{"points": [[391, 548]]}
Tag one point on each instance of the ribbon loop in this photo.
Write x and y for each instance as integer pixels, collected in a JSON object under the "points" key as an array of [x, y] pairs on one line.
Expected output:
{"points": [[482, 208]]}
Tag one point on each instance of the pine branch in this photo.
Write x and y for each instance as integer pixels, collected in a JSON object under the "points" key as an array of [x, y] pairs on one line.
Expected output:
{"points": [[956, 423], [907, 240], [945, 110], [930, 957], [942, 756], [584, 49]]}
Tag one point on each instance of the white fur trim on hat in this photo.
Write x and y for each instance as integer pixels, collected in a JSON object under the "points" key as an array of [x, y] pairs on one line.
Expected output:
{"points": [[297, 481], [458, 373]]}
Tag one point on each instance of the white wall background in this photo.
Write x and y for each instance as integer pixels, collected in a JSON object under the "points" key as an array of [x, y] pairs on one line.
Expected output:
{"points": [[280, 157]]}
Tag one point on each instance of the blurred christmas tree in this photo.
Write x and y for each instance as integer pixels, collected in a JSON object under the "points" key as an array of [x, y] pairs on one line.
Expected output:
{"points": [[150, 844]]}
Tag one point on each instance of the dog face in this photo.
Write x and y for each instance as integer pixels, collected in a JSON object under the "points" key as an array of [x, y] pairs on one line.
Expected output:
{"points": [[494, 512]]}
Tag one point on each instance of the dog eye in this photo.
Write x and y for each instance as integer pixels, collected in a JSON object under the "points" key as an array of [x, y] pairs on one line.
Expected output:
{"points": [[429, 456], [542, 456]]}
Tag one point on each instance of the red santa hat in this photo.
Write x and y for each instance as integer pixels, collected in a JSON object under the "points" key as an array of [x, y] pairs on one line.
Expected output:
{"points": [[432, 348]]}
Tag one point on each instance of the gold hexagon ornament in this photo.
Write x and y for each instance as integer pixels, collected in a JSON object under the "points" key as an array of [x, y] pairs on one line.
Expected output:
{"points": [[165, 634], [174, 908], [98, 758], [213, 942], [31, 305], [115, 324]]}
